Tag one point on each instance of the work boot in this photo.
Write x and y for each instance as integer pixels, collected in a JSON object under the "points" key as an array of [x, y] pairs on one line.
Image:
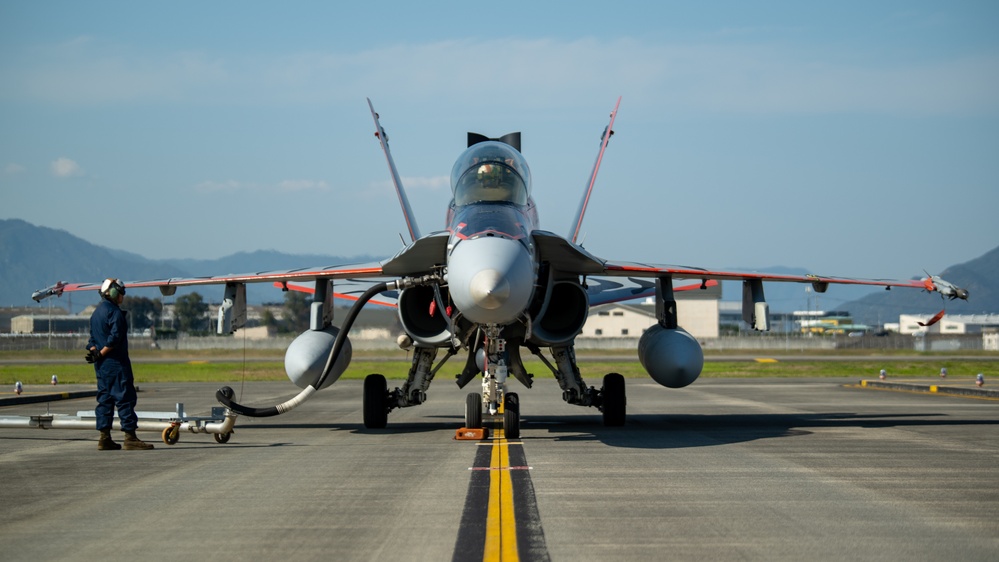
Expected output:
{"points": [[133, 443], [105, 443]]}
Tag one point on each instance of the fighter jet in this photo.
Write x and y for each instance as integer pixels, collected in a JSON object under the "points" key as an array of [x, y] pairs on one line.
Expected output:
{"points": [[489, 285]]}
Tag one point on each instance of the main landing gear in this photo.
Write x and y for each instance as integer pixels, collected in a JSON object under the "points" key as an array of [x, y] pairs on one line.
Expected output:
{"points": [[379, 401], [376, 406], [610, 399], [494, 406], [613, 402]]}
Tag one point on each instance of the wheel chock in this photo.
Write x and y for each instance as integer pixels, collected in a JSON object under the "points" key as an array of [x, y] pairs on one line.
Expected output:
{"points": [[471, 434]]}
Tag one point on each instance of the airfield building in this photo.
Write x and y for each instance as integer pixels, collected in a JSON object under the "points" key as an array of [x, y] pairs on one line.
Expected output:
{"points": [[950, 324], [697, 313], [42, 323]]}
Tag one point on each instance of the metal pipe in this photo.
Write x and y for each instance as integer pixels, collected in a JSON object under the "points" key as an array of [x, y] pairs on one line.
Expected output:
{"points": [[60, 421]]}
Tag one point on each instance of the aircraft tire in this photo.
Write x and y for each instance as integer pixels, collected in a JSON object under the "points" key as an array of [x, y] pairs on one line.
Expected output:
{"points": [[473, 410], [614, 400], [375, 402], [511, 402], [511, 423]]}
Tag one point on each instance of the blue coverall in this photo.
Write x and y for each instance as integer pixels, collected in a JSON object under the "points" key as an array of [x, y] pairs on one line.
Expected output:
{"points": [[115, 384]]}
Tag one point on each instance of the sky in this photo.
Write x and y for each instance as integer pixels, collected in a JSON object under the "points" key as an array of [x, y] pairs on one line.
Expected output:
{"points": [[848, 138]]}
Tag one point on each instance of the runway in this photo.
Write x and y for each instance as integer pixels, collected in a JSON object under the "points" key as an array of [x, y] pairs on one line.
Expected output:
{"points": [[725, 469]]}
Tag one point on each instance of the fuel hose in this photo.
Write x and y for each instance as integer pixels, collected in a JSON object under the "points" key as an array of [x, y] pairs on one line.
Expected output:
{"points": [[225, 394]]}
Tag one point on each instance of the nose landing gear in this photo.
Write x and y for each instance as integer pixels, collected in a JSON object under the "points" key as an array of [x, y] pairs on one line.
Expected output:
{"points": [[507, 415]]}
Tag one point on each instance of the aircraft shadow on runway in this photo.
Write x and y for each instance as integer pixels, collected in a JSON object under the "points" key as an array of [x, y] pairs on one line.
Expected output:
{"points": [[642, 431], [687, 430], [358, 428], [663, 431]]}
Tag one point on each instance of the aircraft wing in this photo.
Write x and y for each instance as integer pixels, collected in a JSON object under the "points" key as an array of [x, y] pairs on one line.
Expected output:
{"points": [[421, 257], [820, 282], [611, 281], [628, 280], [169, 286]]}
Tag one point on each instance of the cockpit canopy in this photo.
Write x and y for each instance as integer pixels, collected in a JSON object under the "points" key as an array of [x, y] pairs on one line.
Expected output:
{"points": [[491, 171]]}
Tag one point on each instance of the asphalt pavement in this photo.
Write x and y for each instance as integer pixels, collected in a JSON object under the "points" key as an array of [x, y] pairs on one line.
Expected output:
{"points": [[726, 469]]}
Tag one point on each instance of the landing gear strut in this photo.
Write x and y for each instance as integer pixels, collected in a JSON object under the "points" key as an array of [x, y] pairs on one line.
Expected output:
{"points": [[493, 406], [502, 406], [610, 399], [378, 401]]}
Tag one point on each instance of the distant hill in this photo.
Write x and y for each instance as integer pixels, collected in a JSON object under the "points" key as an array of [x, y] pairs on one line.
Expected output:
{"points": [[262, 260], [33, 257], [874, 306], [259, 261]]}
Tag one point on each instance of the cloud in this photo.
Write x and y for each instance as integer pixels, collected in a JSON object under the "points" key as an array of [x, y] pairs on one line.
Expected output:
{"points": [[228, 185], [103, 73], [65, 168], [431, 184], [303, 185], [283, 186], [727, 75], [382, 188], [12, 169]]}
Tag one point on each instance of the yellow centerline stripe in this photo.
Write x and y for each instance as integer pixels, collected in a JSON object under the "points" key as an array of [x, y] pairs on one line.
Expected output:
{"points": [[501, 528]]}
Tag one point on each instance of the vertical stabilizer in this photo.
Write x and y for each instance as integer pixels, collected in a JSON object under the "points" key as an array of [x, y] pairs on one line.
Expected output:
{"points": [[407, 211], [577, 222]]}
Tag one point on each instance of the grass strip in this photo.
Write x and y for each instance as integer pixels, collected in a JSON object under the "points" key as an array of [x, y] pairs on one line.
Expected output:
{"points": [[205, 370]]}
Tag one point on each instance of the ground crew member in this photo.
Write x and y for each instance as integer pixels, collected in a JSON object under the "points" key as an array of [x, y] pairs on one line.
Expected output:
{"points": [[108, 351]]}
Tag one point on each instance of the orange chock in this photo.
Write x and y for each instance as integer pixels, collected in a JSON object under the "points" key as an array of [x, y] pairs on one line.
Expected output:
{"points": [[471, 434]]}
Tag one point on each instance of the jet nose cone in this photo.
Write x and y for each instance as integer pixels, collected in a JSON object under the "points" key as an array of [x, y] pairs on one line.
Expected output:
{"points": [[491, 279], [489, 289]]}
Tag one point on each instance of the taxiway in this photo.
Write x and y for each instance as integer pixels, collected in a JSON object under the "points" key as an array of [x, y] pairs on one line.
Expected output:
{"points": [[724, 469]]}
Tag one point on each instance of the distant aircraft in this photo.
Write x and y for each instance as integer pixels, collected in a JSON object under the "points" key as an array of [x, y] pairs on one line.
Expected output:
{"points": [[488, 285]]}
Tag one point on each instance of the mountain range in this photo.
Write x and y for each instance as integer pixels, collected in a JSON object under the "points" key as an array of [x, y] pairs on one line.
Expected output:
{"points": [[33, 257], [979, 276], [875, 306]]}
